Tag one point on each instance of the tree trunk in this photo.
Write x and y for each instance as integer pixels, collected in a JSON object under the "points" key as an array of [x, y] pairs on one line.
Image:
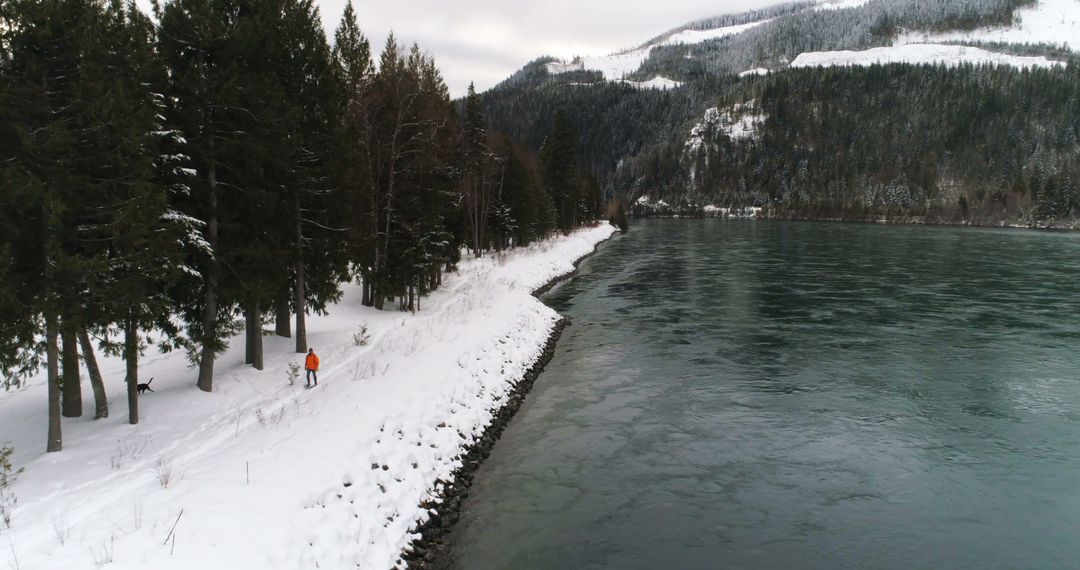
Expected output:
{"points": [[372, 186], [249, 332], [209, 321], [258, 337], [253, 349], [374, 270], [72, 404], [365, 288], [55, 440], [282, 326], [380, 296], [131, 362], [52, 358], [300, 288], [474, 213], [101, 402]]}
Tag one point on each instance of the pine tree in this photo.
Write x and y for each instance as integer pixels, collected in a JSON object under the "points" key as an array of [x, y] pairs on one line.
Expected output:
{"points": [[317, 233], [144, 237], [478, 171], [197, 43], [355, 70], [558, 161], [48, 41], [107, 242]]}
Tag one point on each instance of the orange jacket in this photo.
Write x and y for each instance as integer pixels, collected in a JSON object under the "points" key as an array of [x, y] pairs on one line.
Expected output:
{"points": [[312, 362]]}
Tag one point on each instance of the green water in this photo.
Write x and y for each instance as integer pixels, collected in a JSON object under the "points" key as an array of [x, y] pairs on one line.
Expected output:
{"points": [[741, 394]]}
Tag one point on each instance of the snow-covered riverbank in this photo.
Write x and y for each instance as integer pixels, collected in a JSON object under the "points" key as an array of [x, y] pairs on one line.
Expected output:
{"points": [[264, 474]]}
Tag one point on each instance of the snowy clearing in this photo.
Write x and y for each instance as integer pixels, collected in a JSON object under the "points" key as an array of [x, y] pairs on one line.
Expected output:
{"points": [[619, 65], [949, 55], [658, 82], [698, 36], [264, 474], [755, 71], [839, 4], [1049, 21]]}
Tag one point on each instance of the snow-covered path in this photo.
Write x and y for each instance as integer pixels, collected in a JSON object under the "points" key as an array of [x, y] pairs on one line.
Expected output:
{"points": [[270, 475]]}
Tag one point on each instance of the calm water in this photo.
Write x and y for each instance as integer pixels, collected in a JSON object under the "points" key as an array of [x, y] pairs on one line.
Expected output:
{"points": [[739, 394]]}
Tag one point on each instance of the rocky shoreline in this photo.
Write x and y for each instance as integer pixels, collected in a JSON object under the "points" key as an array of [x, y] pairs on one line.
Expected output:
{"points": [[431, 549], [987, 223], [984, 223], [539, 291]]}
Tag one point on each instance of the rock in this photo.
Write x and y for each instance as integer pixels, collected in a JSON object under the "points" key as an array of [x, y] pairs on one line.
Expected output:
{"points": [[446, 511]]}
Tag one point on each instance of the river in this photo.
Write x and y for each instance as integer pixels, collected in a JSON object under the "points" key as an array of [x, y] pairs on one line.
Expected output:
{"points": [[754, 394]]}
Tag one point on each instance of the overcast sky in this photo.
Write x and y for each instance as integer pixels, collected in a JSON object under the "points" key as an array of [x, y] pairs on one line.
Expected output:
{"points": [[486, 40]]}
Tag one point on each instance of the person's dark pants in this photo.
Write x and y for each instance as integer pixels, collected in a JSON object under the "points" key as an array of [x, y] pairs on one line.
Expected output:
{"points": [[312, 375]]}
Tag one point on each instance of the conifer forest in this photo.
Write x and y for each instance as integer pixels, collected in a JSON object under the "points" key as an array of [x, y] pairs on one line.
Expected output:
{"points": [[171, 182]]}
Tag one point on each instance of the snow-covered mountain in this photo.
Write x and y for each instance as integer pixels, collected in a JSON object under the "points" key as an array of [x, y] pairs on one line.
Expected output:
{"points": [[619, 66], [1045, 23], [727, 111]]}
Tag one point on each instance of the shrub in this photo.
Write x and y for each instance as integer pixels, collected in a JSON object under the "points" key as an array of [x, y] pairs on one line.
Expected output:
{"points": [[8, 474]]}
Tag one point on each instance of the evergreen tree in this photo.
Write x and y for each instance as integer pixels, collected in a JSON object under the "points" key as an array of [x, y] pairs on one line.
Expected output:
{"points": [[226, 163], [198, 46], [47, 43], [478, 171], [317, 236], [411, 134], [355, 70], [87, 190], [142, 236], [557, 157]]}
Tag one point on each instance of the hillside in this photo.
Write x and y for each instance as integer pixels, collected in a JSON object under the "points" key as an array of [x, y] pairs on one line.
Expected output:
{"points": [[908, 109]]}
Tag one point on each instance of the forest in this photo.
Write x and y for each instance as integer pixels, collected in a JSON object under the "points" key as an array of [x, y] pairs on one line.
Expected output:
{"points": [[167, 183], [901, 141], [967, 144], [789, 30]]}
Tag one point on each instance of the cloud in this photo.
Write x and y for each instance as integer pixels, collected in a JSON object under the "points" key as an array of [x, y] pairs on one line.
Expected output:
{"points": [[484, 41]]}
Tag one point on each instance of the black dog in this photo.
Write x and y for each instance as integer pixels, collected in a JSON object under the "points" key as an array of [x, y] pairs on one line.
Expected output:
{"points": [[145, 387]]}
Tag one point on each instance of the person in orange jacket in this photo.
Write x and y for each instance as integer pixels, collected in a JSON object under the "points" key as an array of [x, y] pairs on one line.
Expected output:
{"points": [[311, 364]]}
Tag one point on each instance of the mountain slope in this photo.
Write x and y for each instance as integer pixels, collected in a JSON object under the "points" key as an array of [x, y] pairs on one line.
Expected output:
{"points": [[678, 144]]}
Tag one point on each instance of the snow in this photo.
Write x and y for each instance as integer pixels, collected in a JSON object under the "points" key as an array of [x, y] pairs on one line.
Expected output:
{"points": [[658, 82], [698, 36], [619, 65], [743, 126], [839, 4], [559, 67], [1049, 21], [644, 201], [950, 55], [740, 121], [264, 474], [755, 71], [697, 133], [749, 212]]}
